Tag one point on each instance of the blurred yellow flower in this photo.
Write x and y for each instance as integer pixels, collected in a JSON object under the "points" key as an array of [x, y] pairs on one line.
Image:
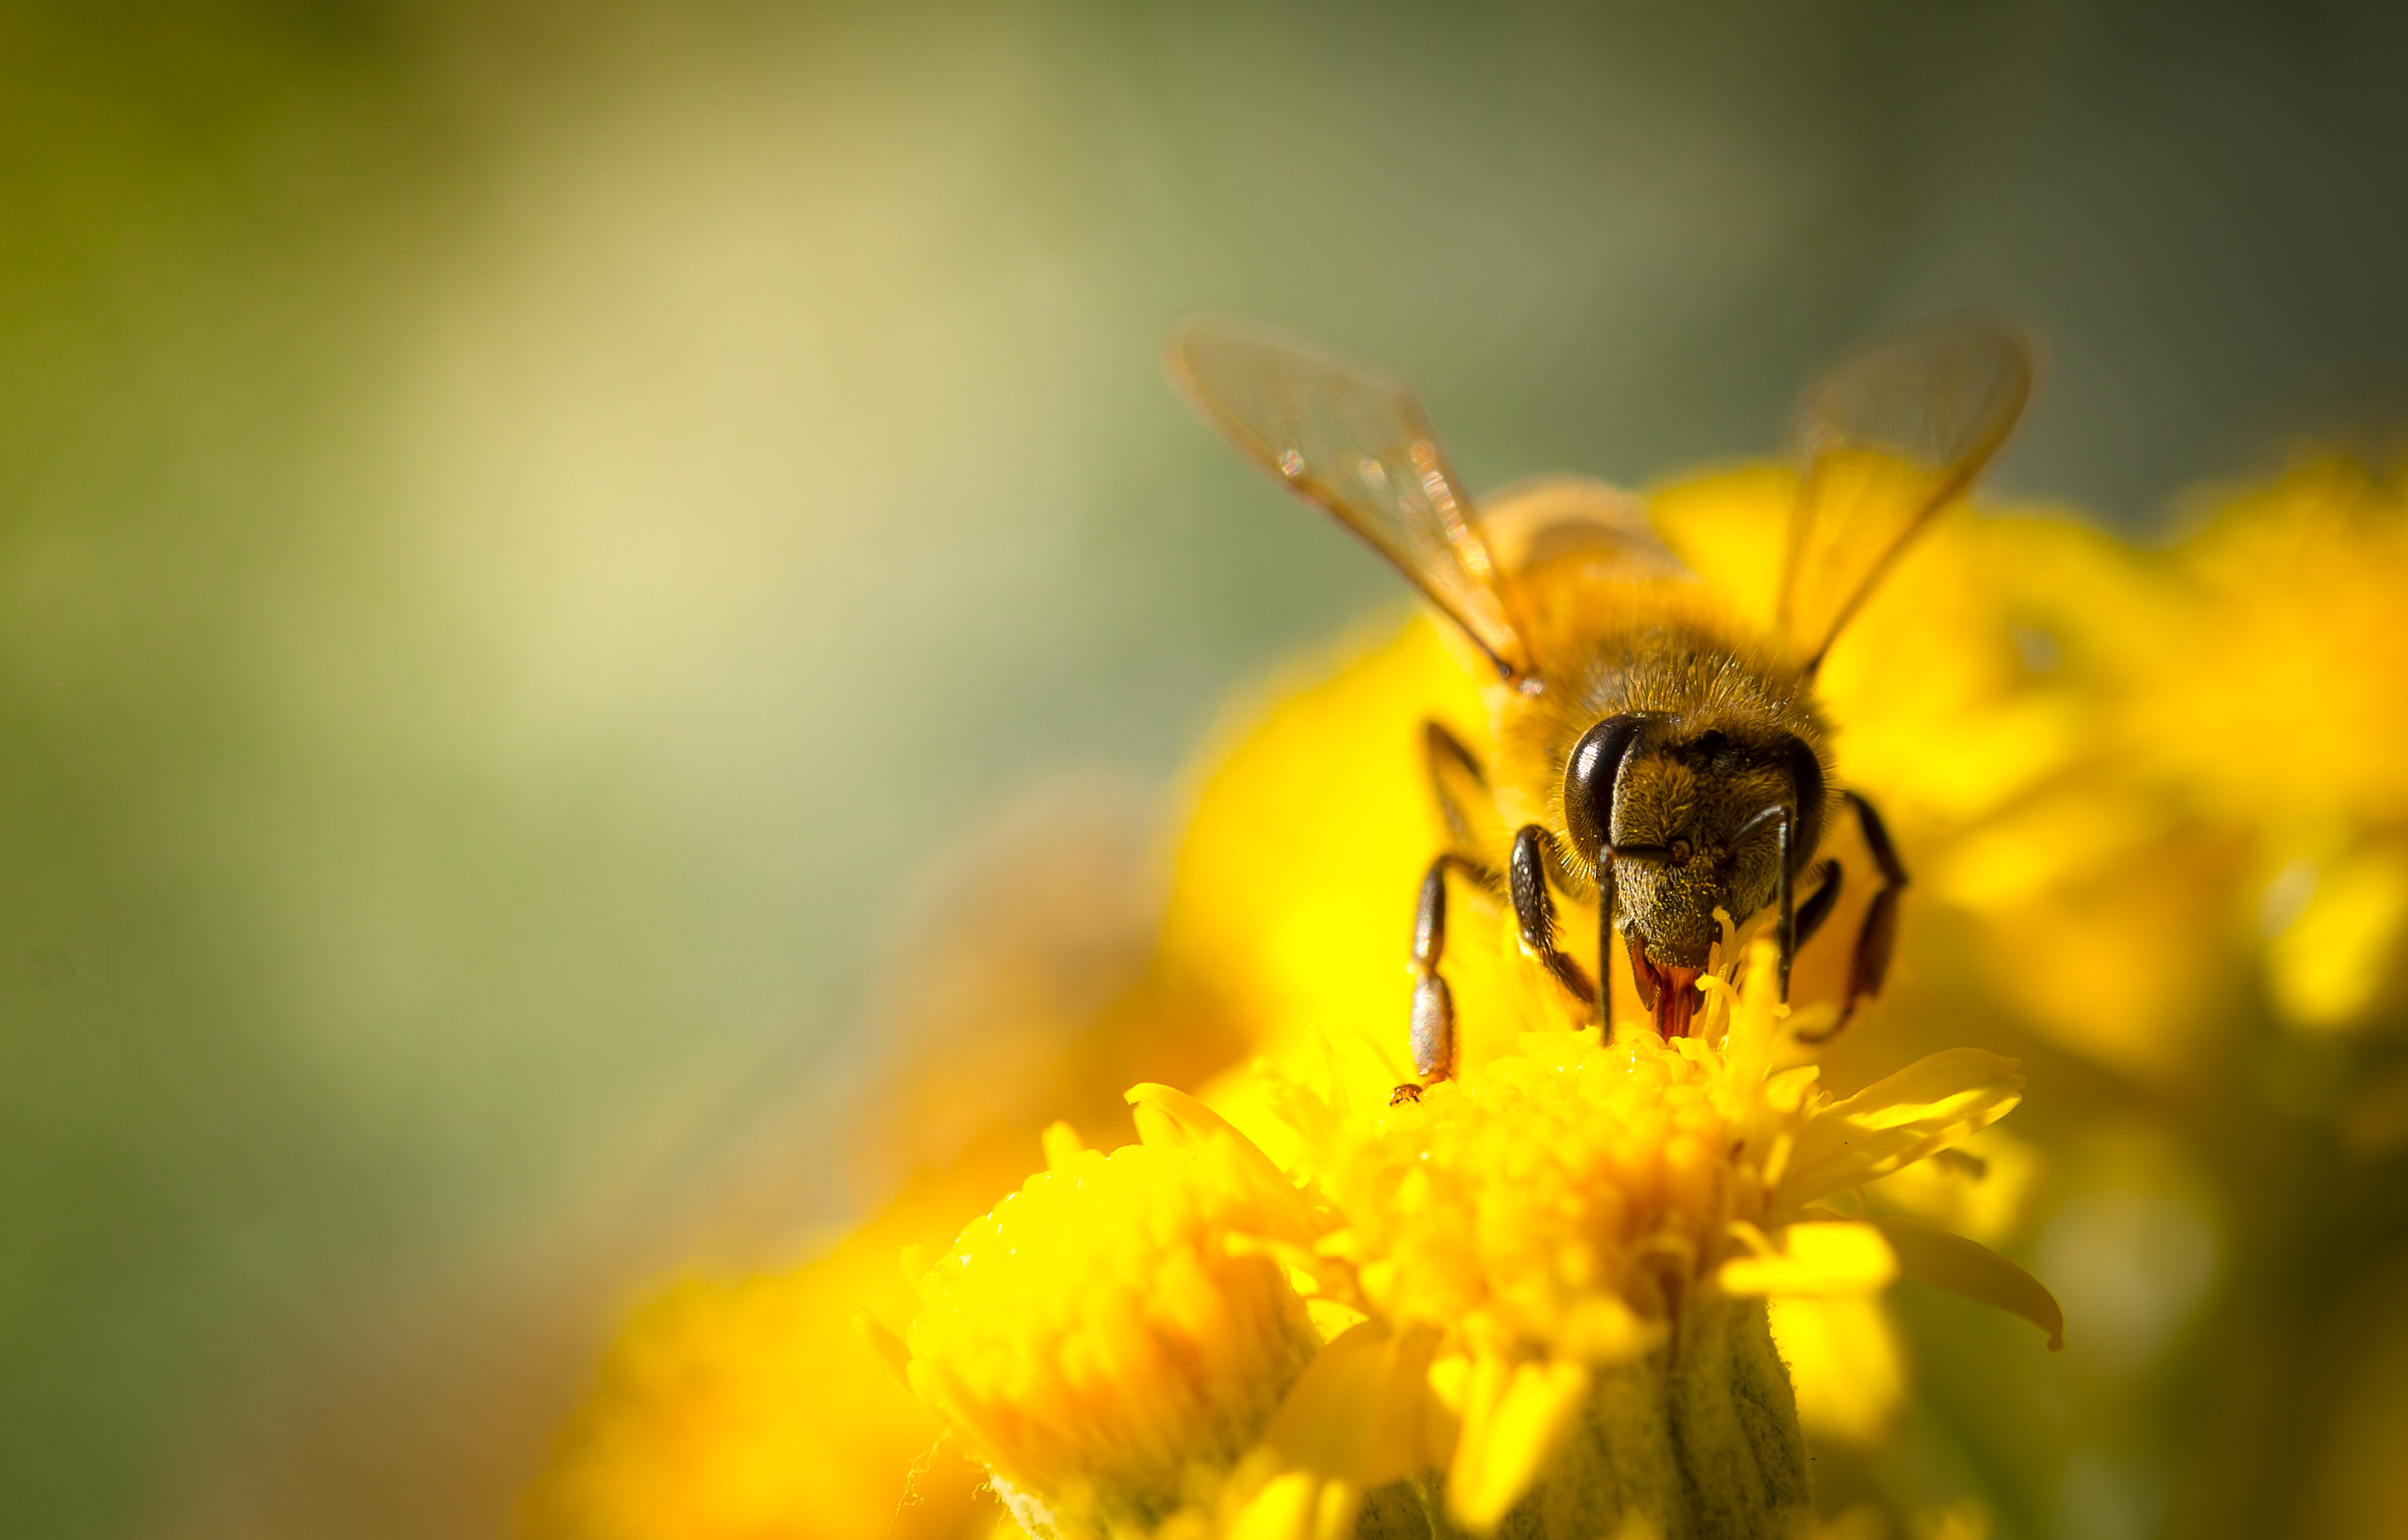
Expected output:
{"points": [[747, 1408], [1112, 1338], [2294, 593], [2279, 709]]}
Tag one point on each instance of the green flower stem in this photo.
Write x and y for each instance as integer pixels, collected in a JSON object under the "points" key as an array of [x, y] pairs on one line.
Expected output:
{"points": [[1697, 1441]]}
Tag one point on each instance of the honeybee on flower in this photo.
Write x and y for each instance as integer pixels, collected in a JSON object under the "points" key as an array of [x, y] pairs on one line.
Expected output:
{"points": [[1659, 763]]}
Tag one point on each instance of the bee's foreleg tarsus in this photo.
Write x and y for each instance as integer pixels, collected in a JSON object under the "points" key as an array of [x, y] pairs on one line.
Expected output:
{"points": [[1433, 1037], [1534, 910], [1432, 1022], [1878, 936]]}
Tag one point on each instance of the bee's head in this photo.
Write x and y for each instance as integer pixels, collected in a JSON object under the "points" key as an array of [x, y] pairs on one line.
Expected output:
{"points": [[1680, 812]]}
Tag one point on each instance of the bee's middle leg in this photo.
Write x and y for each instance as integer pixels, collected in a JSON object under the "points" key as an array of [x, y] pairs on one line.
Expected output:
{"points": [[1794, 922], [1433, 1012]]}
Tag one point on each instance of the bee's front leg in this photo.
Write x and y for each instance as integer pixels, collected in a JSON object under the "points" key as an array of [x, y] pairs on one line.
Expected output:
{"points": [[1793, 923], [1534, 910], [1433, 1013], [1878, 936]]}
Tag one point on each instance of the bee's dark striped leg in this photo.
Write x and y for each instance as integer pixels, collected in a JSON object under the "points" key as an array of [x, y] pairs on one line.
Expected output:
{"points": [[1793, 923], [1433, 1012], [1786, 938], [1605, 945], [1819, 903], [1805, 922], [1784, 932], [1534, 910], [1878, 937], [1455, 781]]}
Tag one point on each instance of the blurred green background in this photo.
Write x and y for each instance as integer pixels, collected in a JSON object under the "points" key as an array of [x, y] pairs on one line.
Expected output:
{"points": [[525, 527]]}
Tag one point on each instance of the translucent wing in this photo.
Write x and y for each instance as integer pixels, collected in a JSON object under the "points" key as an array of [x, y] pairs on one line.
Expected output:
{"points": [[1359, 445], [1890, 436]]}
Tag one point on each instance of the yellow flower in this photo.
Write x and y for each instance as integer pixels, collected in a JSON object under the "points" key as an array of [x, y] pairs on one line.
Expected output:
{"points": [[1588, 1229], [1112, 1338], [1558, 1266], [749, 1408]]}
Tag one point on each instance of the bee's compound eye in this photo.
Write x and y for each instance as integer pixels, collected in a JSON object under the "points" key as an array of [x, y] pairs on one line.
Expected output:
{"points": [[1590, 778]]}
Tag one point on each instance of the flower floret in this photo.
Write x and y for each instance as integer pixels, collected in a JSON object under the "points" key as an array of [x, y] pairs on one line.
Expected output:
{"points": [[1098, 1340]]}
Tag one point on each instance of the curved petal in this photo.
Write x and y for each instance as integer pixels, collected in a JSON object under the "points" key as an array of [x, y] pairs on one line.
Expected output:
{"points": [[1927, 1106], [1933, 1255], [1168, 1118], [1362, 1412]]}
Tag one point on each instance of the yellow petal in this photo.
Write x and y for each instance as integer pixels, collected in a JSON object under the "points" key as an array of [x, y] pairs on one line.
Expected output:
{"points": [[1170, 1117], [1964, 1267], [1167, 1116], [1839, 1257], [1360, 1410], [1927, 1106], [1515, 1415], [1297, 1506], [1846, 1363], [1062, 1146]]}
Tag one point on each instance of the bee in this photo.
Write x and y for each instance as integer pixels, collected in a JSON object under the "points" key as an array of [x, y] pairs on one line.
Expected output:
{"points": [[1657, 761]]}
